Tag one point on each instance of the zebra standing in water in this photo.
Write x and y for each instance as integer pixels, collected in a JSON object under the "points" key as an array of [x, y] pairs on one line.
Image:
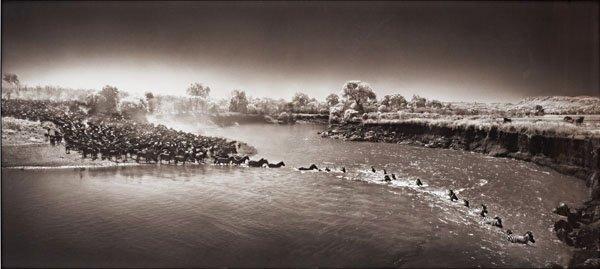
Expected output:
{"points": [[521, 239]]}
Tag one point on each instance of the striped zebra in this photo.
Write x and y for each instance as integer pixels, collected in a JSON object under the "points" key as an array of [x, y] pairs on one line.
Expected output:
{"points": [[495, 221], [521, 239]]}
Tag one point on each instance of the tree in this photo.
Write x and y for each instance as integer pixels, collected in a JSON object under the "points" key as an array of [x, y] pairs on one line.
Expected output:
{"points": [[394, 102], [300, 100], [11, 78], [198, 90], [435, 104], [332, 100], [238, 102], [92, 101], [358, 92], [312, 107], [151, 101], [539, 110], [418, 101], [149, 95], [108, 104], [199, 94]]}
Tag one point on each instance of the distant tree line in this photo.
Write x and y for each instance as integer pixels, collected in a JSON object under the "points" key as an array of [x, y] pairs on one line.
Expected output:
{"points": [[355, 99]]}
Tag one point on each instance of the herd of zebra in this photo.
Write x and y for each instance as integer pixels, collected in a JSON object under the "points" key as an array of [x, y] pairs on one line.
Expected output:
{"points": [[115, 137]]}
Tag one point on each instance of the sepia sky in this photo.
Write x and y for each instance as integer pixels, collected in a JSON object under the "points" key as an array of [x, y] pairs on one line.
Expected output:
{"points": [[467, 51]]}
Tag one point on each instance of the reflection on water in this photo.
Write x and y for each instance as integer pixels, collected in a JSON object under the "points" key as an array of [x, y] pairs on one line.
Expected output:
{"points": [[205, 215]]}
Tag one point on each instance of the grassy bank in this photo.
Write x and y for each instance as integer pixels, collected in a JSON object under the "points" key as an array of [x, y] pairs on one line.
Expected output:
{"points": [[549, 125]]}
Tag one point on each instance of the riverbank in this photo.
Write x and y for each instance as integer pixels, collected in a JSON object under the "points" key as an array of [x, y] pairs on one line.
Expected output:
{"points": [[576, 155]]}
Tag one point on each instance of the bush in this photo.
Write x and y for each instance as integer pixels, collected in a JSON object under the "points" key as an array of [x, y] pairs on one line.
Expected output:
{"points": [[350, 115], [336, 113], [284, 117]]}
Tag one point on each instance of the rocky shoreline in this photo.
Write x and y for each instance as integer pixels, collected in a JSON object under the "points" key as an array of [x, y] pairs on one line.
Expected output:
{"points": [[574, 156]]}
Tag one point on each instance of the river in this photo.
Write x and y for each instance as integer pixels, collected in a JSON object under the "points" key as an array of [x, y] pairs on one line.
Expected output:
{"points": [[207, 215]]}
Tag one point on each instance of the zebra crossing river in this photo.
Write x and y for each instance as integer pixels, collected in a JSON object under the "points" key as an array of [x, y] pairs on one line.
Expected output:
{"points": [[209, 215]]}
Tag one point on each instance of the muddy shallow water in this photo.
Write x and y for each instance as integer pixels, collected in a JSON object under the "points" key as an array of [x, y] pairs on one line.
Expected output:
{"points": [[206, 215]]}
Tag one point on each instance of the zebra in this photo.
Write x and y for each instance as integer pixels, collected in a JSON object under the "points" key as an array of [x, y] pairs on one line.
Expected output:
{"points": [[276, 165], [311, 167], [452, 195], [495, 221], [484, 211], [521, 239]]}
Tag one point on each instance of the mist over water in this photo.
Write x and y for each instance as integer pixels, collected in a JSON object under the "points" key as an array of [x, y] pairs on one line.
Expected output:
{"points": [[206, 215]]}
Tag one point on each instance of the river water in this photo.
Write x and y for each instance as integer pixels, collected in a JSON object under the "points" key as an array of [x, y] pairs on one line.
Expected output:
{"points": [[207, 215]]}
